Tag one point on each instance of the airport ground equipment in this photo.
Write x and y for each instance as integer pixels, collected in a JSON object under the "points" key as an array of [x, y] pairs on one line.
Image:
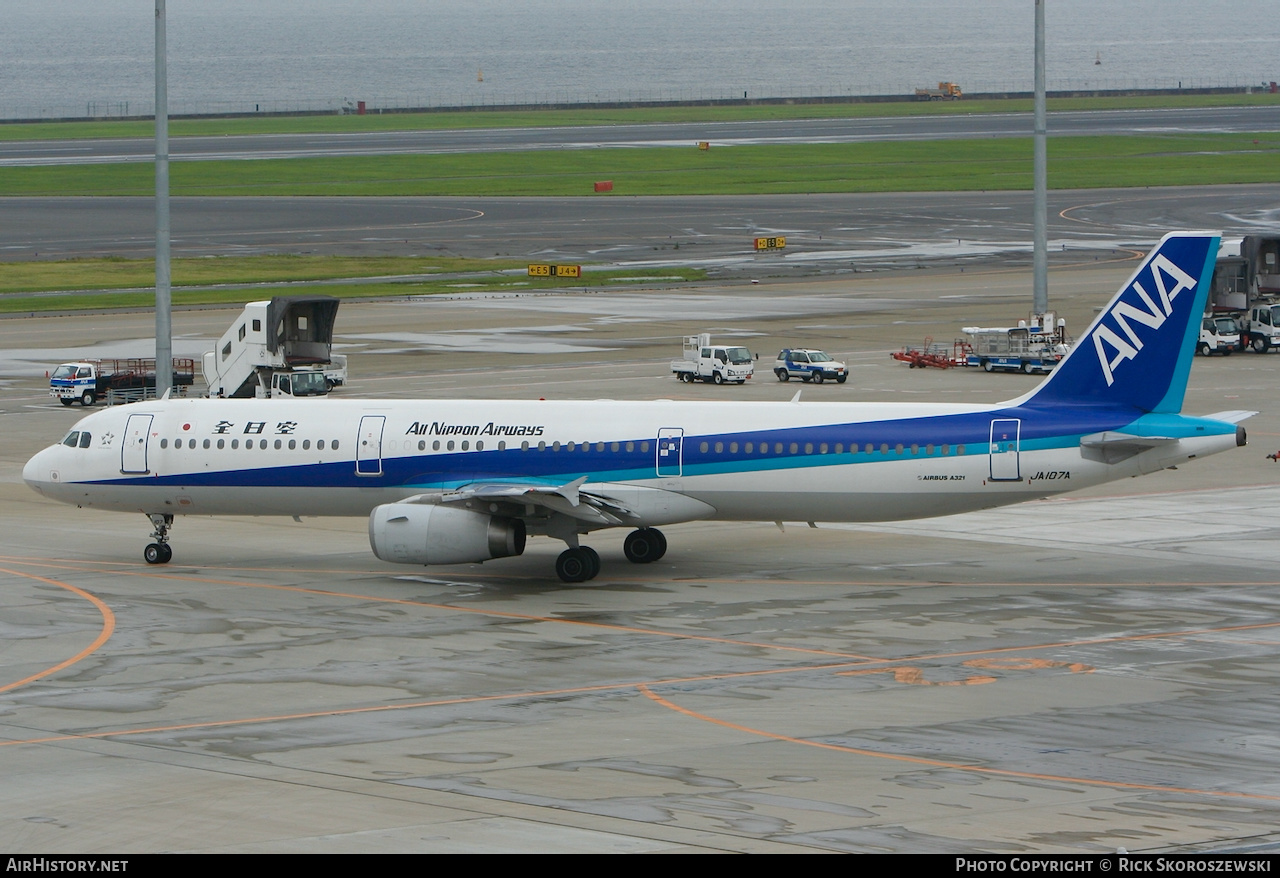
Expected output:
{"points": [[1246, 286], [934, 355], [946, 91], [127, 380], [808, 365], [281, 347], [1218, 335], [1035, 345], [716, 364]]}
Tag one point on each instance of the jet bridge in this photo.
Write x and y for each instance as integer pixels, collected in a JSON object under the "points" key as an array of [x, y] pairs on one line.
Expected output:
{"points": [[283, 334]]}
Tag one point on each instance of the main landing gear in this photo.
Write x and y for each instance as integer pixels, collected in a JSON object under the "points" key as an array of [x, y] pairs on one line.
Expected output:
{"points": [[644, 546], [581, 563], [159, 552]]}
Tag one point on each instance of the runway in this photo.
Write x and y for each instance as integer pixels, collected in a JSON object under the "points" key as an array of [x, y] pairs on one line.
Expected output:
{"points": [[1075, 675], [784, 131], [826, 234]]}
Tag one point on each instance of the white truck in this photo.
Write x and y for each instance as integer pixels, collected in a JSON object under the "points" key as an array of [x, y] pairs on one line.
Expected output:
{"points": [[1218, 335], [306, 382], [128, 380], [283, 347], [717, 364]]}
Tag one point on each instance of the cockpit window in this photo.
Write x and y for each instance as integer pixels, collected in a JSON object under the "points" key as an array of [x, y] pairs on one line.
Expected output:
{"points": [[85, 438], [73, 438]]}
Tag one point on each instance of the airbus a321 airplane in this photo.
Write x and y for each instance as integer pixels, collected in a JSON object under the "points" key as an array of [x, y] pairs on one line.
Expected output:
{"points": [[451, 482]]}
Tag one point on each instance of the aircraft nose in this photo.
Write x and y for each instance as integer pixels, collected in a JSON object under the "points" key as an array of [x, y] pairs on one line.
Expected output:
{"points": [[36, 473]]}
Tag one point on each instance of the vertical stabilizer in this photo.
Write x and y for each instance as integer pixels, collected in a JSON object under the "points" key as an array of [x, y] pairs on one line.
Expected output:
{"points": [[1137, 353]]}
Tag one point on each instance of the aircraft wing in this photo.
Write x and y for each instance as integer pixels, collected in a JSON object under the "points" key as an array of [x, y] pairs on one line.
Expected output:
{"points": [[567, 499]]}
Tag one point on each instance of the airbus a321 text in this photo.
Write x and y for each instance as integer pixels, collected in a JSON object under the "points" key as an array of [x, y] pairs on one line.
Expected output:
{"points": [[451, 482]]}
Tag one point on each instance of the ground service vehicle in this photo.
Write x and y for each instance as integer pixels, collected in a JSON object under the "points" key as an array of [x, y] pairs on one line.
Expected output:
{"points": [[283, 347], [1246, 286], [128, 380], [1034, 345], [718, 364], [1218, 335], [446, 481], [808, 365], [946, 91]]}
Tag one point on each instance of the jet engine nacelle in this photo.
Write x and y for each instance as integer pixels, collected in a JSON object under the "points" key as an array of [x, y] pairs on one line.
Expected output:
{"points": [[409, 533]]}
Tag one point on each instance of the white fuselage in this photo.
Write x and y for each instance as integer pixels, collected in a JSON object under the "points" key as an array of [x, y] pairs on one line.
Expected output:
{"points": [[740, 461]]}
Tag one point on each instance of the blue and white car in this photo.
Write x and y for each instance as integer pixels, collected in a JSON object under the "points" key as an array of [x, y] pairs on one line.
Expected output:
{"points": [[808, 365]]}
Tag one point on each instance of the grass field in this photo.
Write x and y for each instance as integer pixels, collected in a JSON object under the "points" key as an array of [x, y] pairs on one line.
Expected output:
{"points": [[958, 165], [80, 284], [992, 164]]}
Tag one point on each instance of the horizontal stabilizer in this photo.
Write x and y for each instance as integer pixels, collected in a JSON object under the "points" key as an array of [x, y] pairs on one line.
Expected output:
{"points": [[1113, 447], [1234, 417]]}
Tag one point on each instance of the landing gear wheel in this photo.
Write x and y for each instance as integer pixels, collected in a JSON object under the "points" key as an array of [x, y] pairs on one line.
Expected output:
{"points": [[644, 546], [158, 553], [577, 565], [87, 398], [657, 538], [593, 561], [783, 374]]}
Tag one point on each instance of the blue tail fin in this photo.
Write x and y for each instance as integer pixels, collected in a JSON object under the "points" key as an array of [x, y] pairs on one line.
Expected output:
{"points": [[1137, 353]]}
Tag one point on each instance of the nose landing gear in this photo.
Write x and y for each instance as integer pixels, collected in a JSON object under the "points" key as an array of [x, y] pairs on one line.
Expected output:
{"points": [[159, 552]]}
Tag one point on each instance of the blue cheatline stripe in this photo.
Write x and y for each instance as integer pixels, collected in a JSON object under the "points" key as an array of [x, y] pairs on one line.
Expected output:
{"points": [[1042, 429]]}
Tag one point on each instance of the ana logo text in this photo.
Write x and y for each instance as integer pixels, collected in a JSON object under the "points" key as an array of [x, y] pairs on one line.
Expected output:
{"points": [[1153, 314]]}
